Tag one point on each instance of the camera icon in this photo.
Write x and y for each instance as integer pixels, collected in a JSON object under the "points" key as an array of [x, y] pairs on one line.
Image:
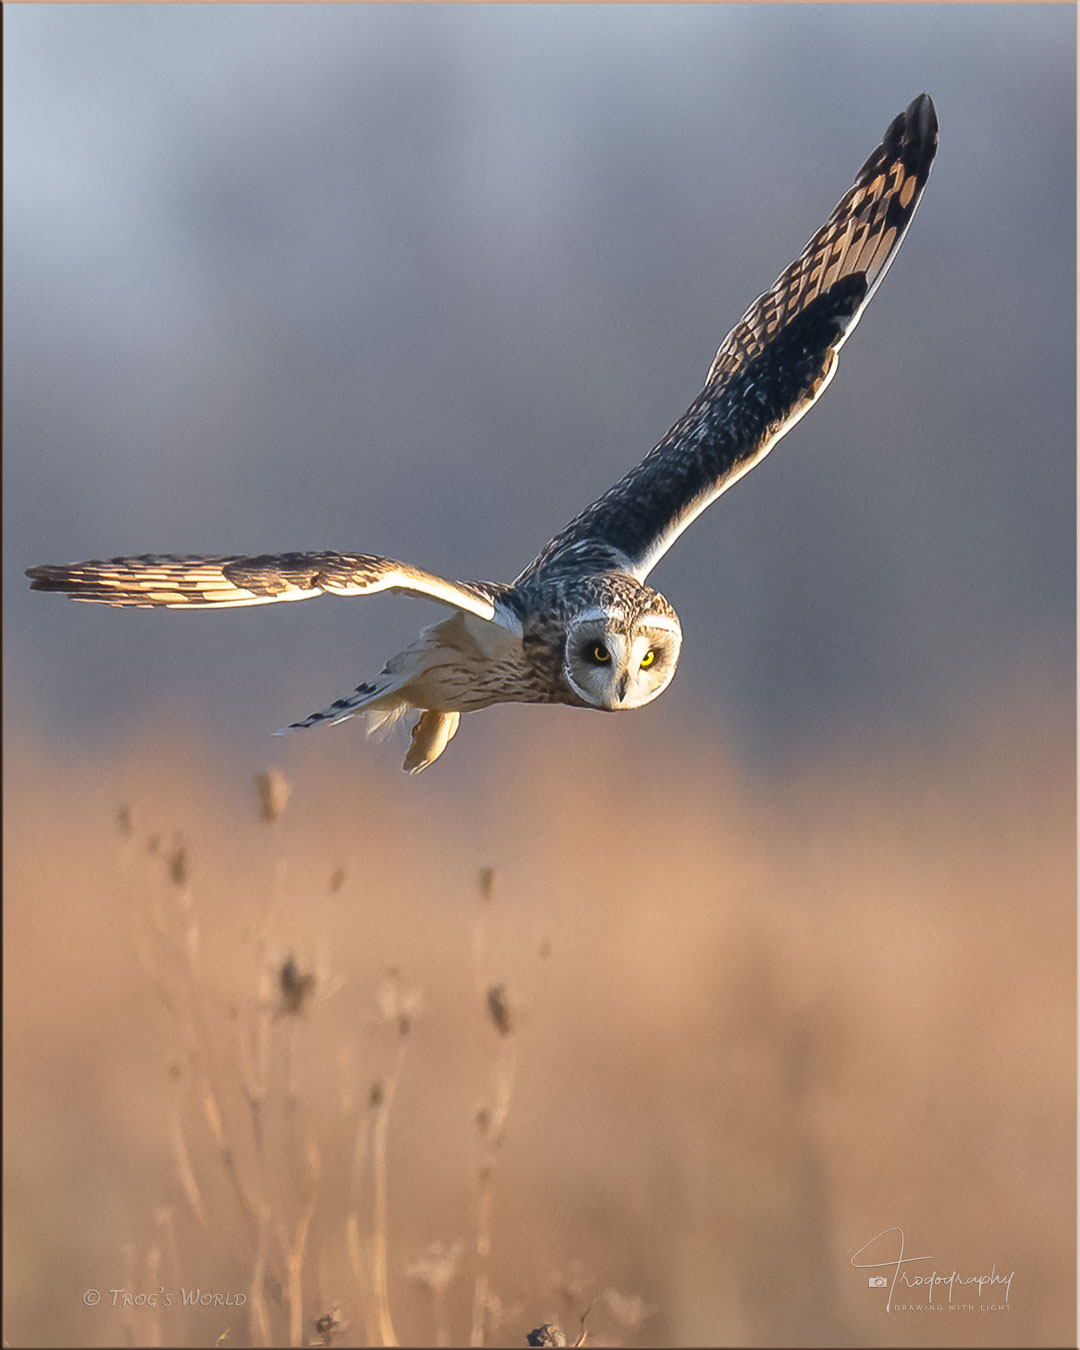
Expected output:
{"points": [[877, 1282]]}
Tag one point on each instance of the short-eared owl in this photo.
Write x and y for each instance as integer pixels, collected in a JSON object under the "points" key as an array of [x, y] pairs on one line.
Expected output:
{"points": [[579, 625]]}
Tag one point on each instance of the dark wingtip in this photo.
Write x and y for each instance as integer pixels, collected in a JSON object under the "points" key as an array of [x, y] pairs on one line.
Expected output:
{"points": [[921, 117], [44, 578], [916, 134], [911, 138]]}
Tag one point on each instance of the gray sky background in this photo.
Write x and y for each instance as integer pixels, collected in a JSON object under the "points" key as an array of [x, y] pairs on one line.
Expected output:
{"points": [[426, 280]]}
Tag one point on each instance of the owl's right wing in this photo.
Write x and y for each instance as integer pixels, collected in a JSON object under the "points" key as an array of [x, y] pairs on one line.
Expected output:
{"points": [[770, 369], [178, 582]]}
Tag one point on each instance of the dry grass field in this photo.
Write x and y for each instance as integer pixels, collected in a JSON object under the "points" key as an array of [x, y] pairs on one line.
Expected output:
{"points": [[625, 1034]]}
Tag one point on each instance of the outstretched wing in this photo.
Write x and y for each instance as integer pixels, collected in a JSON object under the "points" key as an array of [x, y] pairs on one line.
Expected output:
{"points": [[769, 370], [178, 582]]}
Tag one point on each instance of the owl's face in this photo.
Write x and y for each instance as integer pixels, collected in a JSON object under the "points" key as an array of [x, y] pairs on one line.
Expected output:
{"points": [[613, 664]]}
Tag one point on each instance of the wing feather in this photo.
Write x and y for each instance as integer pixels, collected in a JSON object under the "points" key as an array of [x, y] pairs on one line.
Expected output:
{"points": [[227, 581], [770, 369]]}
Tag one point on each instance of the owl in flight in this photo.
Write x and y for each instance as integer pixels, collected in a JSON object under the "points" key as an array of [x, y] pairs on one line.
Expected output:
{"points": [[579, 625]]}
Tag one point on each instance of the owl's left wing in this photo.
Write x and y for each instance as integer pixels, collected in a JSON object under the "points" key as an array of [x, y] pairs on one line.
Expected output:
{"points": [[770, 369], [226, 581]]}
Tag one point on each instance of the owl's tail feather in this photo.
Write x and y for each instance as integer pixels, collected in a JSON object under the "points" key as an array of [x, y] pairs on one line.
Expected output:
{"points": [[361, 700], [379, 722], [382, 708], [383, 705]]}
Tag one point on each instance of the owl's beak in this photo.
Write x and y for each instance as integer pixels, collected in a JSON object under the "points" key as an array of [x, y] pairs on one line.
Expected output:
{"points": [[623, 685]]}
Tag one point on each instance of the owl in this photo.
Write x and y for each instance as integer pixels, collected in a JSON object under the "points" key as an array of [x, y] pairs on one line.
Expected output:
{"points": [[580, 625]]}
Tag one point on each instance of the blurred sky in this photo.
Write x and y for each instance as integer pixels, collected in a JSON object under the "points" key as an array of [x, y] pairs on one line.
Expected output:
{"points": [[425, 280]]}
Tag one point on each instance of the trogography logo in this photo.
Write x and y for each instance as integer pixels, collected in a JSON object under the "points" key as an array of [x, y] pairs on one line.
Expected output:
{"points": [[921, 1290]]}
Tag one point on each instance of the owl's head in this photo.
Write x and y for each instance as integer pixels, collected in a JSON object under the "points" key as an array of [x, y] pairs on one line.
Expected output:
{"points": [[615, 660]]}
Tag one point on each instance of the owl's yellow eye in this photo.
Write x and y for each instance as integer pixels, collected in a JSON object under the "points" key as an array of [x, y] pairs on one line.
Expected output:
{"points": [[648, 659], [601, 654]]}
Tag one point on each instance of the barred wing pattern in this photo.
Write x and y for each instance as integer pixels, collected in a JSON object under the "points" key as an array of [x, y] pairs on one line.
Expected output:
{"points": [[175, 581], [769, 370]]}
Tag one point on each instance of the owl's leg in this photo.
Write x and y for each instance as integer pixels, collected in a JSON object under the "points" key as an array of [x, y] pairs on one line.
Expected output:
{"points": [[431, 734]]}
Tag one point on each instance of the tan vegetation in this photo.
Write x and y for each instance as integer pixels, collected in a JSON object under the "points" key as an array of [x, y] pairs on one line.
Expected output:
{"points": [[659, 1048]]}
